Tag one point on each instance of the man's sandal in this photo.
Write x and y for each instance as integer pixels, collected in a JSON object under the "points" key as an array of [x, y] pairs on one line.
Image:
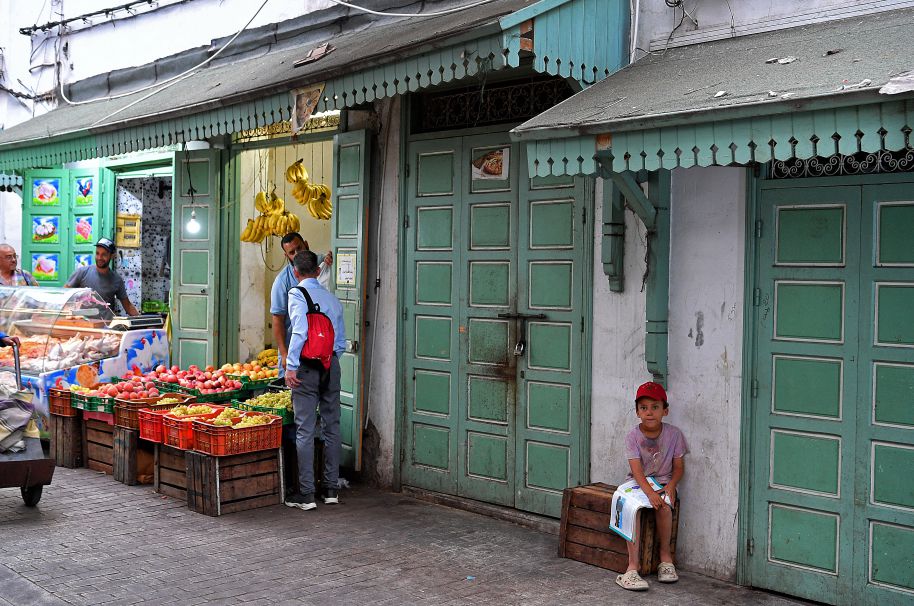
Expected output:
{"points": [[632, 581], [666, 573]]}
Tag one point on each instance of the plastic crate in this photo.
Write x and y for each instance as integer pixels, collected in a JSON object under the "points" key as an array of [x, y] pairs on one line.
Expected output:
{"points": [[126, 411], [179, 431], [150, 422], [78, 400], [154, 307], [251, 384], [288, 417], [223, 440], [100, 404], [59, 403]]}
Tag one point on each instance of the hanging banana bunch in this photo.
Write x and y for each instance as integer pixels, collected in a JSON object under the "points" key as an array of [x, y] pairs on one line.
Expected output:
{"points": [[316, 198], [274, 219]]}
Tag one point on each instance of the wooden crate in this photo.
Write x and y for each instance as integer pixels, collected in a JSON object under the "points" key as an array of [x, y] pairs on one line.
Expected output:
{"points": [[67, 440], [220, 485], [98, 445], [585, 536], [126, 444], [170, 472]]}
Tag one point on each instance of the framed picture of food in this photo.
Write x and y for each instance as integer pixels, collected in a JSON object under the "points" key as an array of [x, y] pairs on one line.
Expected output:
{"points": [[45, 192], [85, 191], [46, 230], [45, 266], [491, 168], [82, 230], [83, 260]]}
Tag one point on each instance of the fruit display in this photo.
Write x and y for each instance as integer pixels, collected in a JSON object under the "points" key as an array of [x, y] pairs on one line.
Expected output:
{"points": [[278, 400], [183, 410], [316, 198], [206, 381], [252, 421], [268, 357], [133, 387], [165, 401], [253, 371], [225, 417]]}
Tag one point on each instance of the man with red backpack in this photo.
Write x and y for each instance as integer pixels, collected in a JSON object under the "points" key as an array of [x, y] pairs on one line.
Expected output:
{"points": [[313, 374]]}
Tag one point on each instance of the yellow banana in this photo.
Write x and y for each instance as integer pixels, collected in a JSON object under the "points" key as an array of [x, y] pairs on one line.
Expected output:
{"points": [[325, 189], [296, 223], [296, 172], [260, 201], [312, 207], [298, 190], [246, 233]]}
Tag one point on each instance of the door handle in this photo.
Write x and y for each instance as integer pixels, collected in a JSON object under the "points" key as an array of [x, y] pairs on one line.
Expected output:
{"points": [[352, 346], [525, 317]]}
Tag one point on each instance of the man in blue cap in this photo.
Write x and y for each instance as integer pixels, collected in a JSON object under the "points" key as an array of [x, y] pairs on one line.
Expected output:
{"points": [[102, 279]]}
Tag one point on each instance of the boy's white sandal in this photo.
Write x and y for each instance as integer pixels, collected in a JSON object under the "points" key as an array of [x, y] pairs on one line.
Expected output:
{"points": [[632, 581], [666, 573]]}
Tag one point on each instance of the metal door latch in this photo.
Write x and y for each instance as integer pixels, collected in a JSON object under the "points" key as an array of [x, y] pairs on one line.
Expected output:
{"points": [[521, 345], [519, 348]]}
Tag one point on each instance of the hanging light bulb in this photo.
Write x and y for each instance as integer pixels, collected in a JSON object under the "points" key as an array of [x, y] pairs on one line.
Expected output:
{"points": [[192, 226]]}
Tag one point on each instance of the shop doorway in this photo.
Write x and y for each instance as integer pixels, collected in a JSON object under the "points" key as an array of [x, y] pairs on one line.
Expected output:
{"points": [[494, 325], [833, 380], [342, 163]]}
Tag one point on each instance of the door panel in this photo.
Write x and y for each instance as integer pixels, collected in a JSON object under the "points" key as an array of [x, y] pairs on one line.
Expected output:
{"points": [[349, 237], [835, 371], [194, 294], [493, 342], [46, 226]]}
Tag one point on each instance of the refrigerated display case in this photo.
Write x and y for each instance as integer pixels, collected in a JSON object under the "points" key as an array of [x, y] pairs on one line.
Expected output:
{"points": [[67, 339]]}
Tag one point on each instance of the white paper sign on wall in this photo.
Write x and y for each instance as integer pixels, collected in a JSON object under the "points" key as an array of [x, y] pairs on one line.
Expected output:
{"points": [[345, 269]]}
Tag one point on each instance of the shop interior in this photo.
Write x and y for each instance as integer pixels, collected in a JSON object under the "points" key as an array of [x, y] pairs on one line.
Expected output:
{"points": [[264, 170], [143, 214]]}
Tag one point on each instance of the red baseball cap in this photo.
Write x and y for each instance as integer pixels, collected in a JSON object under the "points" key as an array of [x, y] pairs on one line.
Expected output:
{"points": [[651, 390]]}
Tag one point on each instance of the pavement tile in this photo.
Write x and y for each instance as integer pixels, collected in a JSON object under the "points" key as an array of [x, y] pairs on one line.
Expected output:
{"points": [[94, 541]]}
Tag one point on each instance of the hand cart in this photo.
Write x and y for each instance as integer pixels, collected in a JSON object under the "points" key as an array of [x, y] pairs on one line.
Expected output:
{"points": [[29, 470]]}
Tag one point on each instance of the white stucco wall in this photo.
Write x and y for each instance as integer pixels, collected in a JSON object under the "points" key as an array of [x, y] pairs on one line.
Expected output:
{"points": [[705, 358], [382, 304]]}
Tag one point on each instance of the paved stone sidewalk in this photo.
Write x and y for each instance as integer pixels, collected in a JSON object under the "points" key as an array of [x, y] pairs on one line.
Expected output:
{"points": [[94, 541]]}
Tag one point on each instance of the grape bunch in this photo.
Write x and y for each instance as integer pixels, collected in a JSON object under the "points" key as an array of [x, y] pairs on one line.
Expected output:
{"points": [[253, 421], [225, 417], [168, 401], [279, 399], [197, 409]]}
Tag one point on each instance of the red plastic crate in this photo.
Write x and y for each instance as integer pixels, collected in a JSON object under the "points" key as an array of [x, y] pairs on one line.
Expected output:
{"points": [[150, 423], [59, 403], [126, 412], [222, 440], [178, 431]]}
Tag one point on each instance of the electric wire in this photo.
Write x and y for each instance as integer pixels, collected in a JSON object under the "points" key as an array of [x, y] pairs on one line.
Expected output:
{"points": [[165, 83], [435, 14]]}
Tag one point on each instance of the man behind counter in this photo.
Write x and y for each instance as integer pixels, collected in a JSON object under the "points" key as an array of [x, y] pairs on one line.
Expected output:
{"points": [[102, 279]]}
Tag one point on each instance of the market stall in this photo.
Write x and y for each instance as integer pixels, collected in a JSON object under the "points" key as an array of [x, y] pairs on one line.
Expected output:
{"points": [[68, 338]]}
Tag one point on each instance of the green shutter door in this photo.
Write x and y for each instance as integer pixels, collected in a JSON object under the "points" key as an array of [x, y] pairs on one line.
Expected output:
{"points": [[91, 205], [194, 296], [832, 504], [884, 528], [490, 264], [349, 225], [46, 226]]}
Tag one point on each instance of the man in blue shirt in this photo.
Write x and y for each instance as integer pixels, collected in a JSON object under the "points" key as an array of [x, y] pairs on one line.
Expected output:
{"points": [[292, 243], [314, 388]]}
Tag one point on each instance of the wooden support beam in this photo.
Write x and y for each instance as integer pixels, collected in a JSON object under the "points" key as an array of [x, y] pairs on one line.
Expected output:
{"points": [[625, 181]]}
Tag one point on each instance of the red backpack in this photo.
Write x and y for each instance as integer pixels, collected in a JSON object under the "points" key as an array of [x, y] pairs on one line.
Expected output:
{"points": [[318, 349]]}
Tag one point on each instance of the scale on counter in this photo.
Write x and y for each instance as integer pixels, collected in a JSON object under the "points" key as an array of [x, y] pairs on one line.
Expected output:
{"points": [[142, 322]]}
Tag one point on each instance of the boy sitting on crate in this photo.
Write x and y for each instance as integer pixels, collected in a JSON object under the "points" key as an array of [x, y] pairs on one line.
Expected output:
{"points": [[654, 448]]}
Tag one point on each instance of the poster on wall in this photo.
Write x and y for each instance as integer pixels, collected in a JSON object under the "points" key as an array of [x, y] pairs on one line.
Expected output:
{"points": [[45, 192], [83, 260], [345, 269], [306, 100], [45, 266], [85, 192], [490, 168], [46, 230], [82, 232]]}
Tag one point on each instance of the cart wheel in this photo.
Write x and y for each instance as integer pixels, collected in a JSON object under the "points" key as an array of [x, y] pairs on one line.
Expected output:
{"points": [[32, 495]]}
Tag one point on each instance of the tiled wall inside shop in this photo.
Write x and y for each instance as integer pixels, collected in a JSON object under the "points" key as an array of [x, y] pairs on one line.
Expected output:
{"points": [[146, 269]]}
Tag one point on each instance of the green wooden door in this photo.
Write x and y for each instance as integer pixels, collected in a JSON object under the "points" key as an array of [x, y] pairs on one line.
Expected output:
{"points": [[349, 225], [64, 213], [822, 457], [493, 342], [194, 295]]}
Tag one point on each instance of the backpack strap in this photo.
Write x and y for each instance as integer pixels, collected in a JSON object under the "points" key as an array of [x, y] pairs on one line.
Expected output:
{"points": [[312, 307]]}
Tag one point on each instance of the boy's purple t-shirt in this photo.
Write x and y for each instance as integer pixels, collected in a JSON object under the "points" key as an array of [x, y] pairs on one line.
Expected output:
{"points": [[656, 454]]}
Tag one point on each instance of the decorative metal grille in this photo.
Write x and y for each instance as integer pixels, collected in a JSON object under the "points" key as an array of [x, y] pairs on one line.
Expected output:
{"points": [[861, 163], [485, 105]]}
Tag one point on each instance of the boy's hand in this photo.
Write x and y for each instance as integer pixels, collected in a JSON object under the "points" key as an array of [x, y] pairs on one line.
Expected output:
{"points": [[656, 500]]}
